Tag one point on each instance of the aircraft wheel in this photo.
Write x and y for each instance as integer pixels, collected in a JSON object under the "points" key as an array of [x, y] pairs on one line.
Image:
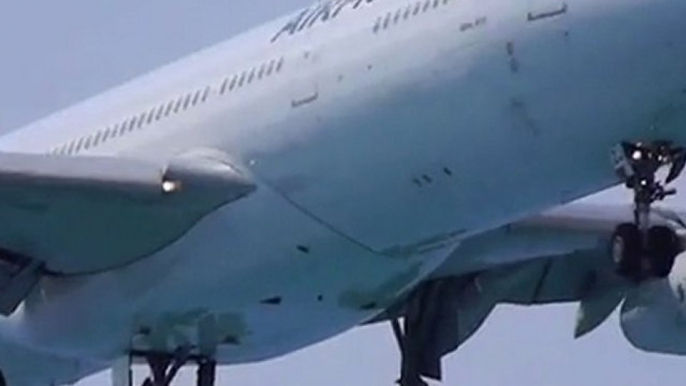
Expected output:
{"points": [[627, 250], [663, 248]]}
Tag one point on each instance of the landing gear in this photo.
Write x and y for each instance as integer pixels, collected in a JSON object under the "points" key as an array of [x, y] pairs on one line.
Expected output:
{"points": [[640, 250], [429, 330], [165, 367]]}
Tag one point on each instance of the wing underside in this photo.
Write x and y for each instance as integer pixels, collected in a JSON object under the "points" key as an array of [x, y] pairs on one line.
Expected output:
{"points": [[71, 215]]}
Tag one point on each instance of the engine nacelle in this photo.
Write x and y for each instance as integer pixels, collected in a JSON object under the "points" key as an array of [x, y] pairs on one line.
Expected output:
{"points": [[654, 314]]}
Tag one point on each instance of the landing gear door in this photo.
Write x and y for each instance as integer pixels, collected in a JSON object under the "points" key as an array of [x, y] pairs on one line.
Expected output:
{"points": [[305, 89]]}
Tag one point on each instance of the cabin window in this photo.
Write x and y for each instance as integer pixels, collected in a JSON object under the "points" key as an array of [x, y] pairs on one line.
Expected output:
{"points": [[436, 2], [251, 76], [224, 87], [407, 13], [206, 94], [427, 4], [270, 68], [386, 21], [160, 111], [196, 98], [279, 65], [113, 131], [82, 143], [126, 126], [179, 103], [396, 18], [87, 143], [170, 106], [96, 140], [417, 7], [70, 148], [242, 79], [234, 80], [260, 73], [141, 120], [377, 25], [187, 102], [151, 116]]}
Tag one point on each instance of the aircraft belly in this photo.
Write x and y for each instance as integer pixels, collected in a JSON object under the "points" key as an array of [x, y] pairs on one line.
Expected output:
{"points": [[255, 279], [468, 140]]}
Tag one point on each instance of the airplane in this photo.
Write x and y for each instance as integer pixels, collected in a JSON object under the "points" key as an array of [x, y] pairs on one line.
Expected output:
{"points": [[354, 162]]}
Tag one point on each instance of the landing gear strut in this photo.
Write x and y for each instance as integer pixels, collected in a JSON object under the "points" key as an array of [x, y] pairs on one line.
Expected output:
{"points": [[641, 250], [165, 367], [429, 330]]}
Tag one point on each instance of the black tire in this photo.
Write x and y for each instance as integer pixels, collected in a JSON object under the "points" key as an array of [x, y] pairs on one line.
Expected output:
{"points": [[663, 248], [626, 249]]}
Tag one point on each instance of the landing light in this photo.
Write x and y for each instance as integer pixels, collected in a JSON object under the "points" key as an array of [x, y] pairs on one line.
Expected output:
{"points": [[637, 155], [170, 186]]}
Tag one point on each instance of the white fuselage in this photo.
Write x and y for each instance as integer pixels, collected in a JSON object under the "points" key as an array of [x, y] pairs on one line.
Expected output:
{"points": [[378, 138]]}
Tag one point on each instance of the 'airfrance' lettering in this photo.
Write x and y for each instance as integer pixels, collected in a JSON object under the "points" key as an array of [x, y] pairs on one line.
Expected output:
{"points": [[320, 13]]}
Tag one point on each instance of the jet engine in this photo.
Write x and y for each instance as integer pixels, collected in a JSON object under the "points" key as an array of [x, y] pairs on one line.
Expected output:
{"points": [[653, 315]]}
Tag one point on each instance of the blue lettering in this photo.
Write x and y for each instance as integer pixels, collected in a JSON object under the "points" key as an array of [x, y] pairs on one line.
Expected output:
{"points": [[323, 12], [292, 25]]}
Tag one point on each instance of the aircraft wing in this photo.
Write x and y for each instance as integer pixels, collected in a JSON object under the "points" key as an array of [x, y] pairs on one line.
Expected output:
{"points": [[558, 257], [582, 225], [74, 215]]}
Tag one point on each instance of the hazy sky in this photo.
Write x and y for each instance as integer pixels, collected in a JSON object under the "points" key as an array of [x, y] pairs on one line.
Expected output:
{"points": [[54, 53]]}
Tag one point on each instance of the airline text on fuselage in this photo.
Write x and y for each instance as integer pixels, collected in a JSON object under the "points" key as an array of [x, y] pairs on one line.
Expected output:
{"points": [[319, 13]]}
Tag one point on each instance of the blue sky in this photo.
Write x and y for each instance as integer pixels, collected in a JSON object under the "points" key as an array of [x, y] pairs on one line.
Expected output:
{"points": [[55, 53]]}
